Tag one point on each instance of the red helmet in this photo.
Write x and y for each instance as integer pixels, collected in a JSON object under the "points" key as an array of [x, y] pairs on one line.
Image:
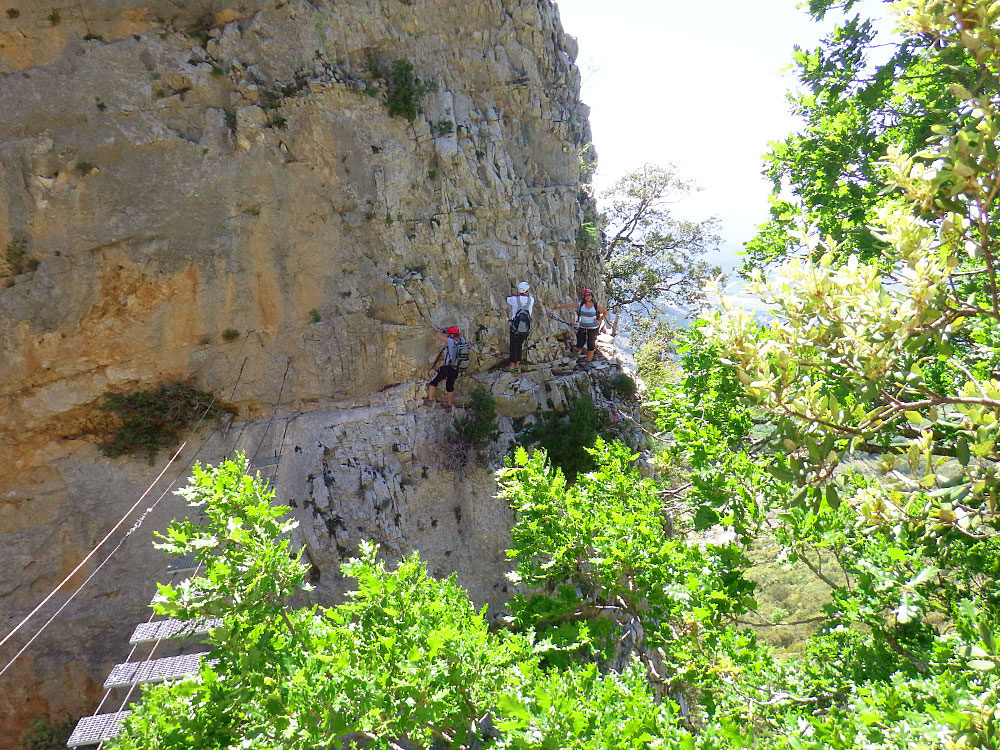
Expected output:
{"points": [[585, 292], [452, 329]]}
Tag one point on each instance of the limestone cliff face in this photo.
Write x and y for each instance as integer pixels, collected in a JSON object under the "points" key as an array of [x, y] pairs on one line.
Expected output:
{"points": [[217, 191]]}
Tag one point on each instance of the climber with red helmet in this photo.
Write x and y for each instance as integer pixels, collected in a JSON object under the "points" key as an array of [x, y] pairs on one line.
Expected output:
{"points": [[589, 316], [456, 359]]}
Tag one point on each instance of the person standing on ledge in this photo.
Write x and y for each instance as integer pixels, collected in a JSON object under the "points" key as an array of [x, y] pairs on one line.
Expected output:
{"points": [[456, 359], [521, 305], [589, 316]]}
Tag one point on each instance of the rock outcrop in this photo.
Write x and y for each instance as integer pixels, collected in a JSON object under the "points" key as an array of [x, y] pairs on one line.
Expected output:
{"points": [[218, 191]]}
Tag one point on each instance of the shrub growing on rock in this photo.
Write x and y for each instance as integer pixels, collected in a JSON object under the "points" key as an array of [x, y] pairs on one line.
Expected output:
{"points": [[154, 419]]}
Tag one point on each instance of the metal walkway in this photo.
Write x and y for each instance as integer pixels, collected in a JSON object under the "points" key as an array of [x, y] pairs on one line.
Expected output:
{"points": [[99, 728]]}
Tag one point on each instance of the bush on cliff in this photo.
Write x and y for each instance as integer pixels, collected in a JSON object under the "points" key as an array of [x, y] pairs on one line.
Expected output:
{"points": [[154, 419]]}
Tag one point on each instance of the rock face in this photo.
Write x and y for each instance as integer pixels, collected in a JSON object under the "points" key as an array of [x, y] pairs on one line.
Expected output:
{"points": [[218, 191]]}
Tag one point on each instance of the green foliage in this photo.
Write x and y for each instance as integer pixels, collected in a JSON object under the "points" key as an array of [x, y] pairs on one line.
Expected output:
{"points": [[587, 237], [621, 385], [314, 316], [565, 436], [230, 335], [84, 167], [201, 24], [479, 427], [54, 17], [581, 709], [48, 735], [884, 356], [18, 258], [886, 351], [603, 547], [853, 112], [444, 127], [654, 344], [13, 12], [404, 90], [406, 658], [154, 419]]}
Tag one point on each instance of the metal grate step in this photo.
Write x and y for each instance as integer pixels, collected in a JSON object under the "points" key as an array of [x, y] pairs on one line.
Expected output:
{"points": [[183, 564], [157, 670], [147, 632], [93, 730], [267, 467]]}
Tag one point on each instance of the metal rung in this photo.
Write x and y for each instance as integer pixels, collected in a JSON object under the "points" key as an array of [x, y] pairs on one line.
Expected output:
{"points": [[93, 730], [147, 632], [157, 670], [183, 564], [260, 463]]}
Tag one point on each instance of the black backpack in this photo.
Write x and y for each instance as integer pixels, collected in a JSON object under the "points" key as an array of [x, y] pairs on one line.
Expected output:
{"points": [[521, 322], [461, 362]]}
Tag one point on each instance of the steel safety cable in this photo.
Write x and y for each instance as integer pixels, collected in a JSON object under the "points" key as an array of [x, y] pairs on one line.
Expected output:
{"points": [[93, 573], [135, 678], [107, 536], [131, 653], [94, 550]]}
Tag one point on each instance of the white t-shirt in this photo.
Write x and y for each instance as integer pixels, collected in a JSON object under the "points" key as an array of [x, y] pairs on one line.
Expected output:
{"points": [[517, 301]]}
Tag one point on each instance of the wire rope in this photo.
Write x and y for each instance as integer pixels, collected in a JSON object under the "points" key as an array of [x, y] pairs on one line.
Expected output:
{"points": [[107, 536]]}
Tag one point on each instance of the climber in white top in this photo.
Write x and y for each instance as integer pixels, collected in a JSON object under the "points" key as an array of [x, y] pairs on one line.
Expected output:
{"points": [[521, 305]]}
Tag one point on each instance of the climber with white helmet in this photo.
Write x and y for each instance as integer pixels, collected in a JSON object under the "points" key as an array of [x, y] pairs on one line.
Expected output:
{"points": [[521, 305], [456, 360], [589, 317]]}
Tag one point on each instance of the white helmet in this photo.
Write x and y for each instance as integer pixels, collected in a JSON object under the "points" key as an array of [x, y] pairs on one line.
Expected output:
{"points": [[523, 287]]}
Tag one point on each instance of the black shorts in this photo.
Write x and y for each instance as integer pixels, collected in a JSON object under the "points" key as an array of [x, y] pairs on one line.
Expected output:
{"points": [[586, 336], [517, 345], [449, 375]]}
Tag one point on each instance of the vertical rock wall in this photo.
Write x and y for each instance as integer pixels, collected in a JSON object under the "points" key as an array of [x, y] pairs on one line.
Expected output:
{"points": [[216, 190]]}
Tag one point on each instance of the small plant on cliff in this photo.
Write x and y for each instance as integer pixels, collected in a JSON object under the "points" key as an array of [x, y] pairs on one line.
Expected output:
{"points": [[154, 419], [479, 427], [621, 385], [18, 258], [201, 25], [444, 127], [230, 335], [566, 436], [404, 89], [48, 735], [54, 17], [13, 12], [314, 316]]}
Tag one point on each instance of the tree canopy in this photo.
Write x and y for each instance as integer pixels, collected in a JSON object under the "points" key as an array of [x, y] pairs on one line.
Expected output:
{"points": [[649, 256], [859, 95]]}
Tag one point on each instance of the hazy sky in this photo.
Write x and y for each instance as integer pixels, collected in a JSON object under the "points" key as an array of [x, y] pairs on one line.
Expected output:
{"points": [[699, 84]]}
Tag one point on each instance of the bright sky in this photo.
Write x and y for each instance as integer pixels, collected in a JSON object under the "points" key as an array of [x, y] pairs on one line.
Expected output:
{"points": [[699, 84]]}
